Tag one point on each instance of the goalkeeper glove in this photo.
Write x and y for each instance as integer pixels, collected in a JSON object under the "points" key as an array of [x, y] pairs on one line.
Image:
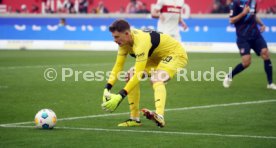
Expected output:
{"points": [[114, 102], [106, 93]]}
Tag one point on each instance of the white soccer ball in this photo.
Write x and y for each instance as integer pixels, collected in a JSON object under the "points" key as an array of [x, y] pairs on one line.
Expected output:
{"points": [[45, 119]]}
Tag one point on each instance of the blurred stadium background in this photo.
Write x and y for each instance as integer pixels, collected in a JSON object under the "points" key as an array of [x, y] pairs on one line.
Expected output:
{"points": [[40, 34], [83, 24]]}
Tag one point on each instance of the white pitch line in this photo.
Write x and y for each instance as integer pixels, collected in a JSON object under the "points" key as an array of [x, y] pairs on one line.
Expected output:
{"points": [[66, 119], [62, 65], [159, 132], [173, 109], [3, 87], [222, 105], [92, 116]]}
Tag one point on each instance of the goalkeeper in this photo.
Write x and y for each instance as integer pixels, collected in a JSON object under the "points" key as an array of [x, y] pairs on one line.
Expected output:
{"points": [[152, 50]]}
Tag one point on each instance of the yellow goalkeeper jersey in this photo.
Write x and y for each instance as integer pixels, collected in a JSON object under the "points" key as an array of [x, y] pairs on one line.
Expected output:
{"points": [[146, 46]]}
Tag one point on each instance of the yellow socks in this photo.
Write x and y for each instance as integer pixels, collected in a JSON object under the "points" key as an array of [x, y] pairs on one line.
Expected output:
{"points": [[159, 97], [134, 100]]}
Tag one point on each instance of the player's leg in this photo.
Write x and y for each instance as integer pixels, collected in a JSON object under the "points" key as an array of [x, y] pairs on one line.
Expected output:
{"points": [[133, 97], [260, 48], [268, 68], [267, 64], [154, 75], [246, 61], [158, 79], [133, 100], [166, 69], [244, 48]]}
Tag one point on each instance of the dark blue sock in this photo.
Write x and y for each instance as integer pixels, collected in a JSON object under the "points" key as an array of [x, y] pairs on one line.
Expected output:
{"points": [[239, 68], [268, 70]]}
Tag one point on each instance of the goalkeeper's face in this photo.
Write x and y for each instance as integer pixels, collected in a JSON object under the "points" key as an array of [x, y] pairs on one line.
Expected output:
{"points": [[122, 38]]}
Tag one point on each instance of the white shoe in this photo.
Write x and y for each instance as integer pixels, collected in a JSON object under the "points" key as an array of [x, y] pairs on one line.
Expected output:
{"points": [[271, 86], [227, 82]]}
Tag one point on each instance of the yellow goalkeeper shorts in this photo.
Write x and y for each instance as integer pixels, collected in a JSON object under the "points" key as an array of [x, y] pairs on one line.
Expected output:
{"points": [[170, 63]]}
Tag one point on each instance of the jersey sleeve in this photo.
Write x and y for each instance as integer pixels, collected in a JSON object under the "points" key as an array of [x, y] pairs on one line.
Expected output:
{"points": [[159, 4], [141, 53], [119, 65], [233, 9]]}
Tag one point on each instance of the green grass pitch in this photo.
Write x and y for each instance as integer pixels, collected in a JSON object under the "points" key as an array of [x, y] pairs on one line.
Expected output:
{"points": [[199, 113]]}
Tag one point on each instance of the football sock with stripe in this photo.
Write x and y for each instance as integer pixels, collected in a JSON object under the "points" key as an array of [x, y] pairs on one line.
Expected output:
{"points": [[239, 68], [268, 70], [134, 100], [159, 97]]}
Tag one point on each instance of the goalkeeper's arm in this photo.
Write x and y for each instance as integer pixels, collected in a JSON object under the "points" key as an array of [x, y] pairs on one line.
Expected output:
{"points": [[113, 76], [116, 99]]}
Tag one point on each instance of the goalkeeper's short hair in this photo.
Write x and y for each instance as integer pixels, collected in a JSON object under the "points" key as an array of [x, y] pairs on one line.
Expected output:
{"points": [[119, 25]]}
